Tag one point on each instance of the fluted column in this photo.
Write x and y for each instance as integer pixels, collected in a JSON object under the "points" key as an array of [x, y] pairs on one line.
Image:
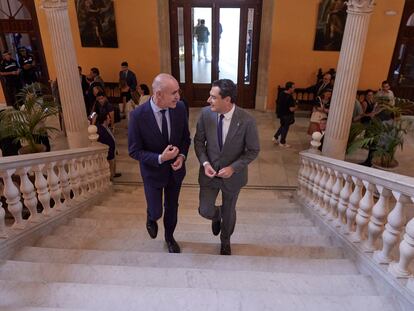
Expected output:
{"points": [[347, 78], [64, 56]]}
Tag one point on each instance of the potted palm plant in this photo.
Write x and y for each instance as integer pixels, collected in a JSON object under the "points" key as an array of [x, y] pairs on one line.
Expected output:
{"points": [[28, 124]]}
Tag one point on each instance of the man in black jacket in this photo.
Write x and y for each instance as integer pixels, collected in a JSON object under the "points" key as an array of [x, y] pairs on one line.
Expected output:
{"points": [[285, 107]]}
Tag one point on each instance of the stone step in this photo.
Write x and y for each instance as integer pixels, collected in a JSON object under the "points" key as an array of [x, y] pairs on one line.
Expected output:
{"points": [[277, 282], [140, 230], [148, 245], [124, 222], [112, 297], [38, 309], [290, 259], [138, 207], [244, 217], [263, 237]]}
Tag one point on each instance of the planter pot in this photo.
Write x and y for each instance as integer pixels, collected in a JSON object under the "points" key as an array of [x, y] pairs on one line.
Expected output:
{"points": [[27, 150], [376, 163]]}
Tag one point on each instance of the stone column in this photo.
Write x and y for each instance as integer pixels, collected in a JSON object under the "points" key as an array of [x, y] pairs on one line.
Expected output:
{"points": [[74, 111], [347, 78]]}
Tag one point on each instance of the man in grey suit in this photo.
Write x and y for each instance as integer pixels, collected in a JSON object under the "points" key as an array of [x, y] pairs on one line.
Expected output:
{"points": [[226, 141]]}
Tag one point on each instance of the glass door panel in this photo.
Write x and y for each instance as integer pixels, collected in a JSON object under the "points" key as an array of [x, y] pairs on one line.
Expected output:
{"points": [[202, 21], [249, 46], [229, 30], [181, 49]]}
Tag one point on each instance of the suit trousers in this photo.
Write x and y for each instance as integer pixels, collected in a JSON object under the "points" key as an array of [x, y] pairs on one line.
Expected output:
{"points": [[226, 212], [154, 198]]}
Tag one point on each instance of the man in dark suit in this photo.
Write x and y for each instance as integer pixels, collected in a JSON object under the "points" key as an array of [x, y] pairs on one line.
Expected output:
{"points": [[321, 86], [159, 138], [226, 141], [129, 77]]}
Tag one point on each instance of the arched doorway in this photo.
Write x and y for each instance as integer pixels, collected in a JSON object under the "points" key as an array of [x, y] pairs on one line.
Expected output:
{"points": [[401, 74], [225, 46], [19, 28]]}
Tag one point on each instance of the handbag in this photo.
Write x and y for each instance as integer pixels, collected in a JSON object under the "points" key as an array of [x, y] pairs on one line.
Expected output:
{"points": [[317, 116]]}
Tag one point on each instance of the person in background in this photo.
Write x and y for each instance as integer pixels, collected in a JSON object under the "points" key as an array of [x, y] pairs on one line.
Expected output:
{"points": [[27, 64], [285, 111], [144, 93], [202, 40], [103, 107], [10, 72], [321, 86], [96, 85], [320, 110], [106, 137], [385, 96]]}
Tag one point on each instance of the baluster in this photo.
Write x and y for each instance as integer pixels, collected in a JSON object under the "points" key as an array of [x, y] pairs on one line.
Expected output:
{"points": [[400, 269], [378, 218], [328, 192], [301, 173], [107, 178], [353, 205], [97, 173], [393, 228], [3, 232], [74, 179], [343, 201], [310, 183], [42, 189], [321, 192], [90, 175], [29, 194], [83, 176], [53, 181], [12, 195], [336, 189], [64, 183], [364, 212], [315, 189]]}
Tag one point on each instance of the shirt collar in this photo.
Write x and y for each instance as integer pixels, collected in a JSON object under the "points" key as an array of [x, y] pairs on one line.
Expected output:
{"points": [[154, 106], [229, 115]]}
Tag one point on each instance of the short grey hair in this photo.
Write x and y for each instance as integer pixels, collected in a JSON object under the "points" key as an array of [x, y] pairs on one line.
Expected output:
{"points": [[159, 82]]}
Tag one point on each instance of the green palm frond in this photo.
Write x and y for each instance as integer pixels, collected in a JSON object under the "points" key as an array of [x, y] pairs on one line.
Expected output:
{"points": [[29, 122]]}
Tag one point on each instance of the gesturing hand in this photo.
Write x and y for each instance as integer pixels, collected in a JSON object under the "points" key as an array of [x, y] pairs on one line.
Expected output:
{"points": [[226, 172], [209, 170], [178, 163], [169, 153]]}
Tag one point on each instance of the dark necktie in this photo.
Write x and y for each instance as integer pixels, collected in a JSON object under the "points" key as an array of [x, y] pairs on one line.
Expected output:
{"points": [[164, 126], [220, 131]]}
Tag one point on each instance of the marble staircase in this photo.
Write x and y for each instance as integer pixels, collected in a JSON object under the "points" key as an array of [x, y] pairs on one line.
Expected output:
{"points": [[103, 259]]}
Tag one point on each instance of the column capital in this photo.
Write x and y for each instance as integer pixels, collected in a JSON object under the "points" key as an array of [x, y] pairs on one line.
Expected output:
{"points": [[54, 4], [360, 6]]}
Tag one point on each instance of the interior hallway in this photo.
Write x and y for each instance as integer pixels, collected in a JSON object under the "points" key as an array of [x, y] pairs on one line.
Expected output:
{"points": [[275, 166]]}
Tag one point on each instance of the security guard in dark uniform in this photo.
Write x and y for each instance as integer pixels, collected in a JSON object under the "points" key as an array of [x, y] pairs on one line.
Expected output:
{"points": [[10, 72], [27, 63]]}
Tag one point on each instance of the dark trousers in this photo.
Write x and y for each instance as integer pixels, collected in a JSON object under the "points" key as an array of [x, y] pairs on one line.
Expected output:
{"points": [[226, 213], [283, 130], [154, 197]]}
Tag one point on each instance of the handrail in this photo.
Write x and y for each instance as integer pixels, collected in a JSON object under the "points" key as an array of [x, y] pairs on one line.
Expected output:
{"points": [[53, 182], [365, 206]]}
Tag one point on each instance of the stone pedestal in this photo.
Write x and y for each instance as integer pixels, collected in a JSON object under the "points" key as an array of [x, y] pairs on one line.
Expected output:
{"points": [[347, 78], [73, 106]]}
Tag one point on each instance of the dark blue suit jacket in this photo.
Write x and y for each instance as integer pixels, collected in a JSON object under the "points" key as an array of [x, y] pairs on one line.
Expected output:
{"points": [[131, 79], [145, 143]]}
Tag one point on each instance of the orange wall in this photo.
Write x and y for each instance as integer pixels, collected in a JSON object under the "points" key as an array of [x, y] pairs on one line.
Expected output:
{"points": [[137, 30], [293, 58]]}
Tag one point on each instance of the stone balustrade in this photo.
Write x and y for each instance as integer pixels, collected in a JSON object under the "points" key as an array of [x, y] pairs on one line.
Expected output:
{"points": [[48, 184], [370, 208]]}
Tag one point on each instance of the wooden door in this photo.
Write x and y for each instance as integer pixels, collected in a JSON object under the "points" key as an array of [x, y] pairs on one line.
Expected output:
{"points": [[231, 51]]}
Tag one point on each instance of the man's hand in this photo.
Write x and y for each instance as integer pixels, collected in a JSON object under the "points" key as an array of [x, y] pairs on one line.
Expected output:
{"points": [[209, 171], [225, 172], [169, 153], [178, 163]]}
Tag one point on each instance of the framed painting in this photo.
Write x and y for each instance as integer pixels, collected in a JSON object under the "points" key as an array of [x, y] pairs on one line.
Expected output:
{"points": [[330, 25], [96, 21]]}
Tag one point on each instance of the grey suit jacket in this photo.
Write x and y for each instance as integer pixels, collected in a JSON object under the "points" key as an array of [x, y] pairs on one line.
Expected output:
{"points": [[240, 148]]}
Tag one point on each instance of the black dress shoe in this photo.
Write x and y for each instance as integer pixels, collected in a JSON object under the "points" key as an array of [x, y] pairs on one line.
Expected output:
{"points": [[215, 227], [173, 246], [152, 228], [225, 249]]}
